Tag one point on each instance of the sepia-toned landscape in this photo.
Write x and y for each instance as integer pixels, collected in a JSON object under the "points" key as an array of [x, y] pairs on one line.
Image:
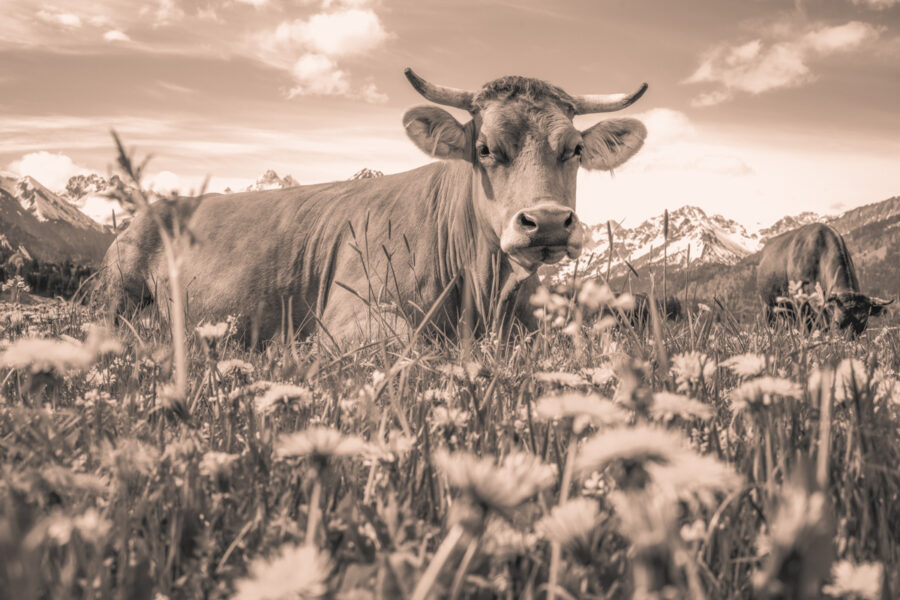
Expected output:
{"points": [[395, 352]]}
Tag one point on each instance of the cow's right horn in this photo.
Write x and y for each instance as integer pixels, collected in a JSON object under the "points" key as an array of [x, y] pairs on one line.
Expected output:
{"points": [[439, 94], [597, 103]]}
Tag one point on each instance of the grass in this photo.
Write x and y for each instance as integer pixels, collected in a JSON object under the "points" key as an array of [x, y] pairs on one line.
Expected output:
{"points": [[705, 458], [114, 487]]}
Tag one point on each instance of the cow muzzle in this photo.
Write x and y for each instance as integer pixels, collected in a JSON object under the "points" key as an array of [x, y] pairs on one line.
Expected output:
{"points": [[542, 234]]}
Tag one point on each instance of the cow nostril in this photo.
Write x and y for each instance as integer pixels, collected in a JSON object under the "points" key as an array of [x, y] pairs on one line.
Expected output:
{"points": [[569, 221], [527, 223]]}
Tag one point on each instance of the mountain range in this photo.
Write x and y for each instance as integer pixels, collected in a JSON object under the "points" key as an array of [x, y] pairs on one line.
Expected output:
{"points": [[693, 236], [723, 254], [720, 253], [43, 225]]}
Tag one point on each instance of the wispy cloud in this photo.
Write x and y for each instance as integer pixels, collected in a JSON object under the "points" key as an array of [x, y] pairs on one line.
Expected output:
{"points": [[114, 35], [58, 17], [781, 60], [877, 4]]}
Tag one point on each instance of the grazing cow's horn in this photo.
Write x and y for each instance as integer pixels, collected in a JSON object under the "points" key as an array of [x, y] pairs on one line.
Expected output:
{"points": [[595, 103], [439, 94], [880, 301]]}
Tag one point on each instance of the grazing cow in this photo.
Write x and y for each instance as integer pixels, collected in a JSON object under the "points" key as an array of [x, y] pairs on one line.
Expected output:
{"points": [[372, 256], [815, 254]]}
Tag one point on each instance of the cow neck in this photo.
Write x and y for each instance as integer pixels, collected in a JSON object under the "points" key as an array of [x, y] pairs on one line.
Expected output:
{"points": [[467, 247], [843, 274]]}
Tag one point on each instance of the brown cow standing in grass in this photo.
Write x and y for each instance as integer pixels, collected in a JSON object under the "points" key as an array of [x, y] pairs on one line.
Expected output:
{"points": [[813, 254], [359, 259]]}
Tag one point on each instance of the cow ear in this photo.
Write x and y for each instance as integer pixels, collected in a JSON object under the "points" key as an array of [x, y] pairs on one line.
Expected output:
{"points": [[437, 133], [610, 143], [877, 305]]}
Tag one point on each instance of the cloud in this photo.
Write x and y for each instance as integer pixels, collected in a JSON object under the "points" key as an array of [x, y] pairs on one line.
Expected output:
{"points": [[311, 48], [674, 143], [877, 4], [371, 94], [343, 33], [57, 17], [254, 3], [53, 170], [762, 65], [114, 35], [318, 74]]}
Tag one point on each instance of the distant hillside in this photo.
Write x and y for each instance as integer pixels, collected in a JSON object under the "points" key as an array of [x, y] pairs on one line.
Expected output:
{"points": [[46, 226], [872, 233]]}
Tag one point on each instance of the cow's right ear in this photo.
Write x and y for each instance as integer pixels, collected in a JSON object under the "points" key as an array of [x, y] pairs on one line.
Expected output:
{"points": [[437, 133]]}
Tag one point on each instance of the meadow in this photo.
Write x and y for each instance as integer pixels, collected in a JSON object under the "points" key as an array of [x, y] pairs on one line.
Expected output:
{"points": [[708, 457], [587, 461]]}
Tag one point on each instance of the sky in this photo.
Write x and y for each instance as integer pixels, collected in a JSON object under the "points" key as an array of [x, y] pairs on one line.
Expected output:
{"points": [[756, 108]]}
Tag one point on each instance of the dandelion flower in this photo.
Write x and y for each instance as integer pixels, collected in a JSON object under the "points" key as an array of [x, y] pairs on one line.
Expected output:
{"points": [[59, 527], [584, 409], [754, 393], [281, 393], [560, 378], [691, 477], [689, 367], [320, 444], [601, 375], [666, 406], [234, 367], [503, 541], [500, 487], [746, 365], [862, 581], [571, 524], [636, 444], [217, 465], [59, 356], [295, 573], [443, 416], [130, 459], [211, 332], [593, 296]]}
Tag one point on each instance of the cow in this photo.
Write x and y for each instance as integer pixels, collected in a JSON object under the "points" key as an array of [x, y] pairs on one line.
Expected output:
{"points": [[815, 254], [352, 260]]}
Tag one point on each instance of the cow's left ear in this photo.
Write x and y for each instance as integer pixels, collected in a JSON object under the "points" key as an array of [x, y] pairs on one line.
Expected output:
{"points": [[610, 143], [877, 305], [437, 133]]}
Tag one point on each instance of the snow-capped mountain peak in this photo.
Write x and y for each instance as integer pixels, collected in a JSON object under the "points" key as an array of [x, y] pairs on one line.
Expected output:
{"points": [[271, 181], [45, 205], [708, 239]]}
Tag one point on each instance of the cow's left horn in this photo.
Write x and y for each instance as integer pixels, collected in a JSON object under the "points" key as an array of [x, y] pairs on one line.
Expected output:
{"points": [[439, 94], [595, 103], [880, 301]]}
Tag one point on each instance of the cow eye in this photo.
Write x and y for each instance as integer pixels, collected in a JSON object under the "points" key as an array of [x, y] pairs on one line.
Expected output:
{"points": [[573, 153], [483, 151]]}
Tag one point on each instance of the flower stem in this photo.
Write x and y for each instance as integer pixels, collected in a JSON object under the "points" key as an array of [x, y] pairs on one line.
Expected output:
{"points": [[555, 547], [437, 563], [312, 520]]}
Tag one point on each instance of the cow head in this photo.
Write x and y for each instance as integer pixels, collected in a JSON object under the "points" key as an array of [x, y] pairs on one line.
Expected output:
{"points": [[525, 152], [852, 309]]}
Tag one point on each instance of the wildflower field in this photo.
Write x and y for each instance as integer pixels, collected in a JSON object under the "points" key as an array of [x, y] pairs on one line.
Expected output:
{"points": [[702, 458]]}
